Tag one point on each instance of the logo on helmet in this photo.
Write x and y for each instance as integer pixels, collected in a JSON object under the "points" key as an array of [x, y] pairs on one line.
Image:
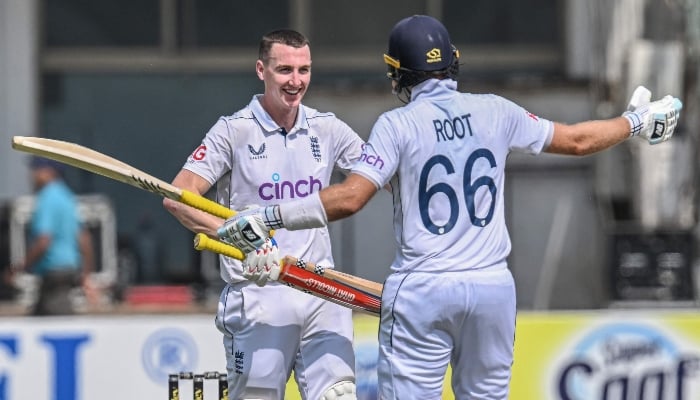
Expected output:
{"points": [[434, 56]]}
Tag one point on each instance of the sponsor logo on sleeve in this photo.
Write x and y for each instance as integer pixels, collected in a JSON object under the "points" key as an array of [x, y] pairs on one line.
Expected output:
{"points": [[199, 153], [370, 157]]}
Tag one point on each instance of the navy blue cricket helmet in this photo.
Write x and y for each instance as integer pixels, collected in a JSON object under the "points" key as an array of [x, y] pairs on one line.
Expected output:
{"points": [[37, 162], [420, 48]]}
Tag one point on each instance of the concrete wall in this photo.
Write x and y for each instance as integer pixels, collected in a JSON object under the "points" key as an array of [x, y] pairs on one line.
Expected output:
{"points": [[18, 89]]}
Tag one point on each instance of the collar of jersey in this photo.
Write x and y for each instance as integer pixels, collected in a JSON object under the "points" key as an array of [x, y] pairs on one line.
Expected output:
{"points": [[269, 124], [433, 88]]}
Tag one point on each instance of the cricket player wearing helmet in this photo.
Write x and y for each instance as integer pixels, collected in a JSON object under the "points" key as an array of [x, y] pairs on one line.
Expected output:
{"points": [[451, 298]]}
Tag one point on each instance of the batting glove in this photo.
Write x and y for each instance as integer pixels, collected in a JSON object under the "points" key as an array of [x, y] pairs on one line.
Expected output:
{"points": [[249, 228], [655, 121], [640, 97], [262, 265]]}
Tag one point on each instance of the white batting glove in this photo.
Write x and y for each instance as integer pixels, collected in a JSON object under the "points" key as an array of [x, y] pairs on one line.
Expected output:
{"points": [[249, 228], [640, 97], [263, 265], [655, 121]]}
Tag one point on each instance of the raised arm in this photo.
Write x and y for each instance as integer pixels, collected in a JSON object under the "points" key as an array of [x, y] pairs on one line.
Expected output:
{"points": [[588, 137], [654, 121]]}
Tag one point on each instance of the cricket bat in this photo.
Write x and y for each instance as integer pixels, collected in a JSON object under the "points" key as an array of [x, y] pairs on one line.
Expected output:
{"points": [[203, 242], [365, 285], [101, 164], [304, 280]]}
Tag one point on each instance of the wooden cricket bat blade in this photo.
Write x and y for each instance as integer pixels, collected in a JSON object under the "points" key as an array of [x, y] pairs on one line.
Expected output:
{"points": [[93, 161], [330, 290], [365, 285]]}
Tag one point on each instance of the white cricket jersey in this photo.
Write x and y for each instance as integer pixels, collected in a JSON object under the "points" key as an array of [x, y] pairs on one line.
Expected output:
{"points": [[444, 154], [253, 162]]}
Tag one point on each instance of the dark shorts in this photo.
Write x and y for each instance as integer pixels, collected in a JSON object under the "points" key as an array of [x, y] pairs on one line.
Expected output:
{"points": [[55, 293]]}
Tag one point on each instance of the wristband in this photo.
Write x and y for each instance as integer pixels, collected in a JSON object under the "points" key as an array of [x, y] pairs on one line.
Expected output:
{"points": [[272, 218], [304, 213], [635, 122]]}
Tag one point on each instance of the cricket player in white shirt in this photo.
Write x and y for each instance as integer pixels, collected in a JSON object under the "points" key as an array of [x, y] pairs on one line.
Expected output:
{"points": [[451, 297], [275, 150]]}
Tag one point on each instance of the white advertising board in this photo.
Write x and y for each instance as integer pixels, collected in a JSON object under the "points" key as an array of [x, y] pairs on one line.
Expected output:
{"points": [[106, 358]]}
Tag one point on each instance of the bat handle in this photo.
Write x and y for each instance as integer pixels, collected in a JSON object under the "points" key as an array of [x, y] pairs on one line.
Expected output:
{"points": [[206, 205], [204, 242]]}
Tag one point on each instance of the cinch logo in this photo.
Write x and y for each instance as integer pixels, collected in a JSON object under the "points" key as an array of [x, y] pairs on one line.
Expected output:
{"points": [[278, 189], [434, 56], [371, 159], [628, 361]]}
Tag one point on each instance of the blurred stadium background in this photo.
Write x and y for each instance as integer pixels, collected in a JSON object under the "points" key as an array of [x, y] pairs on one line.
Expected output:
{"points": [[143, 80]]}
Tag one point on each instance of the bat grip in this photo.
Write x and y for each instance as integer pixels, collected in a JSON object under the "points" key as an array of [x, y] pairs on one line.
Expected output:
{"points": [[204, 242], [210, 207], [206, 205]]}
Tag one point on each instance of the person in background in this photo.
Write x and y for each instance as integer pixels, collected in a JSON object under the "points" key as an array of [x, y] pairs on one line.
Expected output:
{"points": [[59, 251], [276, 149], [451, 297]]}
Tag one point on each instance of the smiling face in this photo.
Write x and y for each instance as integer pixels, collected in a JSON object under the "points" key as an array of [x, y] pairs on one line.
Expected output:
{"points": [[286, 74]]}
